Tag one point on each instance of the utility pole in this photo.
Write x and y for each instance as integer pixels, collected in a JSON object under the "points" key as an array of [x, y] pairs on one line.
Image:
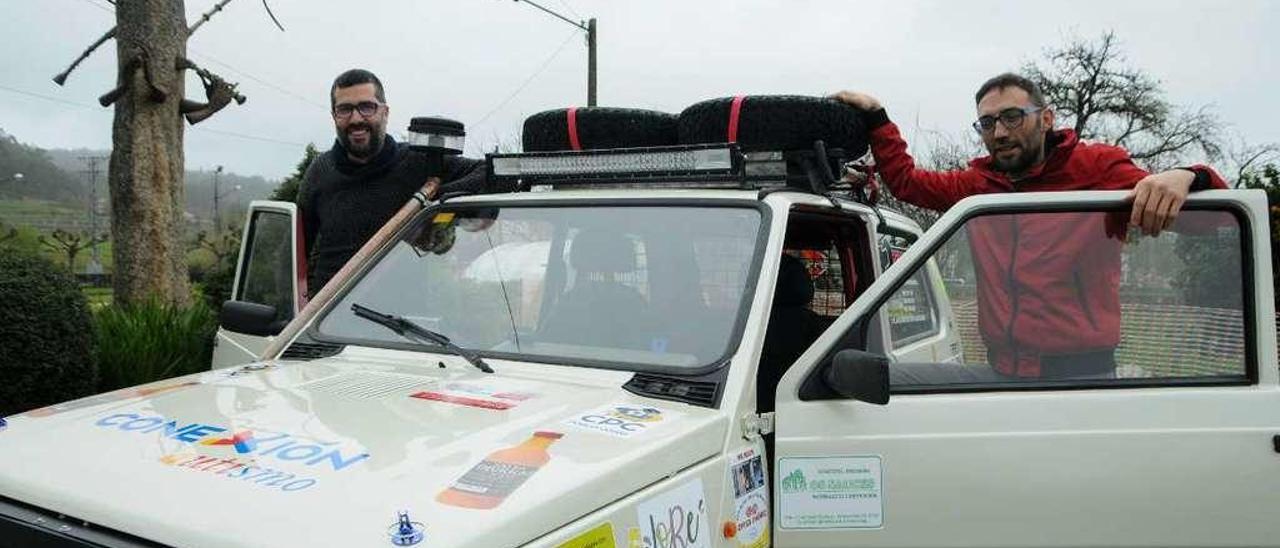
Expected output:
{"points": [[590, 28], [217, 220], [95, 259], [591, 62]]}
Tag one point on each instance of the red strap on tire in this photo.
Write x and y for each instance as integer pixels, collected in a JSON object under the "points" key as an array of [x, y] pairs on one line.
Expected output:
{"points": [[573, 129], [735, 111]]}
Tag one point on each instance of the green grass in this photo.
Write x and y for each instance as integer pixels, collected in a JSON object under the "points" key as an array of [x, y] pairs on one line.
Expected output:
{"points": [[10, 209]]}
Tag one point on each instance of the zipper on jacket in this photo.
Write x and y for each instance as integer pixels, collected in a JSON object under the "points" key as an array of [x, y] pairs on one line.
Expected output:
{"points": [[1013, 291], [1084, 305]]}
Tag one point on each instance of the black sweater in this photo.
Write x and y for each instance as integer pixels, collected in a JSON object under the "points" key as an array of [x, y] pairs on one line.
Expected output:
{"points": [[343, 204]]}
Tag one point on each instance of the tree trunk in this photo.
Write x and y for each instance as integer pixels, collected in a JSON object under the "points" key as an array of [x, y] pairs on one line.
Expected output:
{"points": [[146, 173]]}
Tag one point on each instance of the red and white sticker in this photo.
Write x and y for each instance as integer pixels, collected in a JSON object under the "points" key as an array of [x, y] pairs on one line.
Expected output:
{"points": [[471, 395]]}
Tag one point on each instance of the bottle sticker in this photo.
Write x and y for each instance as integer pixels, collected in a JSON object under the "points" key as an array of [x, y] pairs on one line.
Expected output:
{"points": [[494, 479]]}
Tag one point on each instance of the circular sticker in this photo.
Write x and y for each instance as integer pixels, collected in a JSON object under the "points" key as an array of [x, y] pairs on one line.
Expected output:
{"points": [[753, 519]]}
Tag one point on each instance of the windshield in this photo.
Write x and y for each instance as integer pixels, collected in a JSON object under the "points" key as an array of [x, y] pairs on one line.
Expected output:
{"points": [[640, 286]]}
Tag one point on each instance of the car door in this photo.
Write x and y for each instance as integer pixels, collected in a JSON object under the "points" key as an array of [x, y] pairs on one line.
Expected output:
{"points": [[1159, 430], [268, 274]]}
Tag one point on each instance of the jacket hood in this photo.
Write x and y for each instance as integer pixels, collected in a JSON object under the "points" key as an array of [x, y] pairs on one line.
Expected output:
{"points": [[327, 452]]}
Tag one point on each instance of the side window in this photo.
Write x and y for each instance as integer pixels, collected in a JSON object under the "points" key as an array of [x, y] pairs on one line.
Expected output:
{"points": [[266, 276], [1053, 296], [912, 311]]}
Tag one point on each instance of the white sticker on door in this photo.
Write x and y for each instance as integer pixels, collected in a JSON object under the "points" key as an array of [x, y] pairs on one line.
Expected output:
{"points": [[830, 493], [676, 518]]}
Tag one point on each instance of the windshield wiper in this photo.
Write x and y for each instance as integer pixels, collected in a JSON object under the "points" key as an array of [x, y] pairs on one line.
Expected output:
{"points": [[409, 329]]}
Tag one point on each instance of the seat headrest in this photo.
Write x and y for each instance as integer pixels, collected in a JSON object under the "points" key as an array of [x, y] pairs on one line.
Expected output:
{"points": [[602, 252], [794, 286]]}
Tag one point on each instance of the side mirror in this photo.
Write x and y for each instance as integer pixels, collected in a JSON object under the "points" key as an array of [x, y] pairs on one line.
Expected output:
{"points": [[249, 318], [859, 375]]}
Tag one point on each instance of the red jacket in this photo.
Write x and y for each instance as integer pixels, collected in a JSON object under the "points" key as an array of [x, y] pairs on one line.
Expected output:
{"points": [[1048, 283]]}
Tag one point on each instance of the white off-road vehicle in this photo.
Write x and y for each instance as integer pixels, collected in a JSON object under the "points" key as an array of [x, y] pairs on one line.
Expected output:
{"points": [[681, 346]]}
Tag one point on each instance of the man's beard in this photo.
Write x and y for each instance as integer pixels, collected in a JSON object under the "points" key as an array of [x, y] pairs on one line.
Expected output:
{"points": [[376, 136], [1029, 153]]}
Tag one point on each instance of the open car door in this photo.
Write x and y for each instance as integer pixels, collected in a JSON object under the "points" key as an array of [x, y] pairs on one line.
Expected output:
{"points": [[1113, 389], [270, 284]]}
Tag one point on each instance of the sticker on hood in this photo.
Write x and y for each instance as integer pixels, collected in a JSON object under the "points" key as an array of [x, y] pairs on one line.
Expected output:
{"points": [[750, 499], [621, 420], [472, 395], [246, 454], [489, 483], [676, 518]]}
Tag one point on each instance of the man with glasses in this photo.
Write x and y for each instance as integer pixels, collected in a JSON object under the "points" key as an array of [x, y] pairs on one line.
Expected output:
{"points": [[355, 187], [1028, 333]]}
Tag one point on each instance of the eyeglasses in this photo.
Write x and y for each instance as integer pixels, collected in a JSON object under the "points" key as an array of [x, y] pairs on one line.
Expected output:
{"points": [[1012, 118], [365, 108]]}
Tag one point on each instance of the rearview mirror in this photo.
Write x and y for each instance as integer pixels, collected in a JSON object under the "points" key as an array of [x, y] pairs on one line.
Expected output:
{"points": [[249, 318], [859, 375]]}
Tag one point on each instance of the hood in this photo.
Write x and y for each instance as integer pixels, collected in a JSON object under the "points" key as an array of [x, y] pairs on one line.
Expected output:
{"points": [[328, 452]]}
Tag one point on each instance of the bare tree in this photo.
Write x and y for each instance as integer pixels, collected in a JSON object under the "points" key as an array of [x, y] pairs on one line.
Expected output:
{"points": [[1092, 87], [146, 169], [71, 244], [1247, 160]]}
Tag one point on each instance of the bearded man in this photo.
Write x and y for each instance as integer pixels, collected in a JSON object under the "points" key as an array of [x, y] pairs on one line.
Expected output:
{"points": [[1030, 332], [354, 188]]}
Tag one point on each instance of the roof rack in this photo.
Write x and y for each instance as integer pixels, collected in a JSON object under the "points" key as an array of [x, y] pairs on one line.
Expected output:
{"points": [[719, 165]]}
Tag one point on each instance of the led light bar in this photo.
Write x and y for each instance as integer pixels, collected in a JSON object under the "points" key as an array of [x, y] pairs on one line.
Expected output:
{"points": [[696, 160]]}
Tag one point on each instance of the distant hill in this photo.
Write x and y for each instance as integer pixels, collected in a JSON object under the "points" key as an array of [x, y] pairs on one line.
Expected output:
{"points": [[29, 172], [57, 175]]}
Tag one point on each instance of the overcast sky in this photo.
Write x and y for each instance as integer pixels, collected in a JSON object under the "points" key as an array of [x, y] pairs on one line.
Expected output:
{"points": [[490, 63]]}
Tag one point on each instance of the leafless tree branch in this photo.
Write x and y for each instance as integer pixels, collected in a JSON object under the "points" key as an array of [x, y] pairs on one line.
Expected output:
{"points": [[61, 78]]}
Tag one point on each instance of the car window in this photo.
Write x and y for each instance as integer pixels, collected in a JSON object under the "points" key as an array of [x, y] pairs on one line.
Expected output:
{"points": [[266, 276], [1061, 296], [570, 284]]}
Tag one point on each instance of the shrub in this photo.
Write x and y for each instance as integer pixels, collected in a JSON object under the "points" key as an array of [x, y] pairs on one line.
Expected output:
{"points": [[46, 350], [152, 340]]}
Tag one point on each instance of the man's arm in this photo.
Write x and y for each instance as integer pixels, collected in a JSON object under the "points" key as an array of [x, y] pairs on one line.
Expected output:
{"points": [[464, 174], [937, 190], [1157, 198]]}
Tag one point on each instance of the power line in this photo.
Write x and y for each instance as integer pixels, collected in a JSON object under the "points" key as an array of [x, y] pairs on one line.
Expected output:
{"points": [[196, 128], [48, 98], [99, 6], [246, 136], [563, 3], [528, 80], [260, 80]]}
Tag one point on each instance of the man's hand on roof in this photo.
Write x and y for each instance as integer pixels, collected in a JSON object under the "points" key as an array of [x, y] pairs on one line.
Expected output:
{"points": [[1158, 198], [860, 101]]}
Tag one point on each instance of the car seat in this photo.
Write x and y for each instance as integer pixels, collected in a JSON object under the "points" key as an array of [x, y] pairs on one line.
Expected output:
{"points": [[792, 328], [599, 310]]}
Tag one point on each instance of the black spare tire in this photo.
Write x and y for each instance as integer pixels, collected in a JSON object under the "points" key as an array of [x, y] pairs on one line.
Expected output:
{"points": [[599, 127], [777, 122]]}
